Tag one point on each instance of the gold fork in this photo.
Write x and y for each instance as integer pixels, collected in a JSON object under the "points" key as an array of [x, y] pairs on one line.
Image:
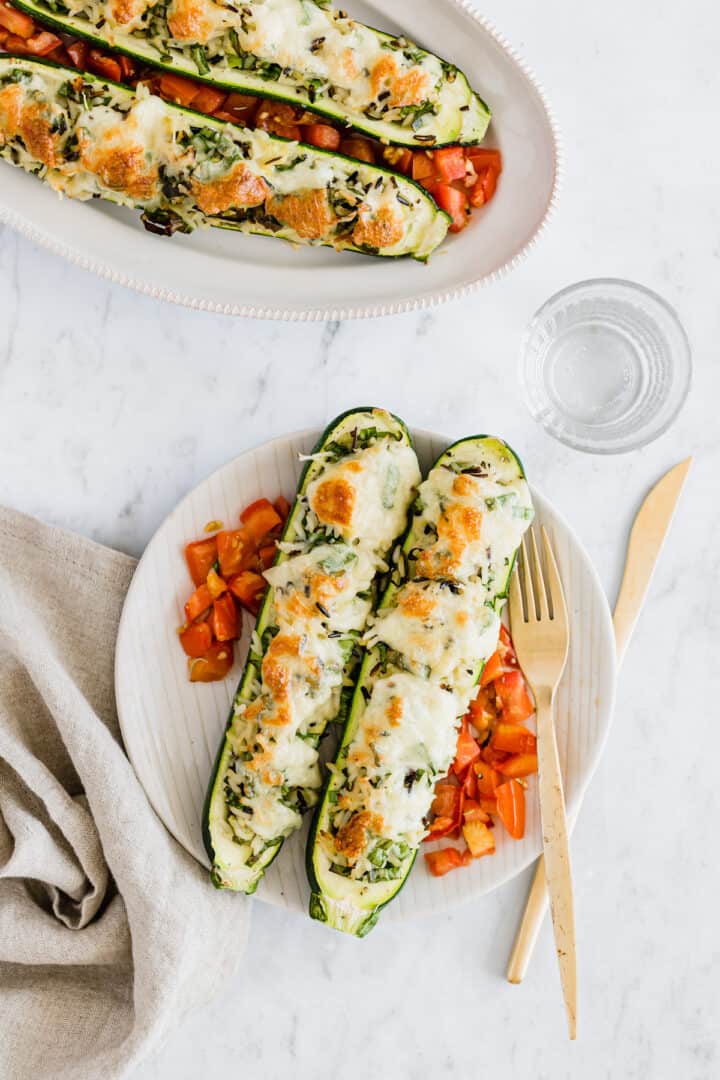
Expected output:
{"points": [[539, 624]]}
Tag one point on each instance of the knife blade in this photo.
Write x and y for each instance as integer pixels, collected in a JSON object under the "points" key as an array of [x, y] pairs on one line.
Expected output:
{"points": [[647, 537]]}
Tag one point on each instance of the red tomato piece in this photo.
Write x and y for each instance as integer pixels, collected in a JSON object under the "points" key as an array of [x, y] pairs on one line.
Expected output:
{"points": [[506, 648], [208, 100], [518, 765], [473, 811], [242, 107], [277, 118], [104, 66], [267, 554], [450, 163], [249, 588], [216, 585], [77, 51], [470, 787], [200, 557], [492, 670], [283, 507], [196, 639], [488, 778], [482, 158], [178, 89], [512, 698], [214, 665], [260, 518], [225, 618], [447, 801], [127, 67], [453, 201], [479, 838], [513, 739], [442, 862], [198, 603], [511, 808], [358, 148], [16, 22], [42, 43], [235, 549], [423, 167], [321, 135], [467, 751], [488, 804]]}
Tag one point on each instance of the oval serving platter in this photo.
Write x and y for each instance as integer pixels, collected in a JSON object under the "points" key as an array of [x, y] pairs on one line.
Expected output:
{"points": [[172, 727], [255, 276]]}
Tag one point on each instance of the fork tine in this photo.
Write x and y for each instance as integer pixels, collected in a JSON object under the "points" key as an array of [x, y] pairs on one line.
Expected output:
{"points": [[555, 589], [528, 585], [541, 598], [515, 599]]}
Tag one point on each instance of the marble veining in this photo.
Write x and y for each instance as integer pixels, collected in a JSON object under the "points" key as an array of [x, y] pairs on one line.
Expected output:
{"points": [[113, 406]]}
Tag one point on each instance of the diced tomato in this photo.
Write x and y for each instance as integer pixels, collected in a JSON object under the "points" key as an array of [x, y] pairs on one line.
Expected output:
{"points": [[488, 778], [511, 808], [104, 66], [453, 201], [513, 739], [479, 838], [283, 507], [260, 518], [467, 751], [277, 118], [77, 51], [178, 89], [423, 167], [519, 765], [358, 148], [322, 135], [481, 711], [488, 804], [214, 665], [249, 588], [442, 862], [491, 756], [266, 555], [198, 603], [470, 784], [472, 811], [17, 22], [196, 639], [440, 827], [484, 188], [228, 118], [242, 107], [235, 551], [450, 163], [447, 801], [216, 585], [506, 648], [482, 158], [200, 557], [208, 100], [42, 43], [399, 158], [492, 670], [225, 618], [127, 67], [513, 700]]}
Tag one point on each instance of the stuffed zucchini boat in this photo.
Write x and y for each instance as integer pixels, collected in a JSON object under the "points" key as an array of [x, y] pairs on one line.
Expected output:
{"points": [[303, 52], [437, 625], [351, 506], [89, 137]]}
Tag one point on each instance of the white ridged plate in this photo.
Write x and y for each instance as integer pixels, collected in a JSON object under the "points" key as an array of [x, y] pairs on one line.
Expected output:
{"points": [[243, 275], [172, 728]]}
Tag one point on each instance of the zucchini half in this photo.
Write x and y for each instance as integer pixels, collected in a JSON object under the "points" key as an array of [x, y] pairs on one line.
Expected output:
{"points": [[241, 811], [353, 904], [302, 194], [304, 45]]}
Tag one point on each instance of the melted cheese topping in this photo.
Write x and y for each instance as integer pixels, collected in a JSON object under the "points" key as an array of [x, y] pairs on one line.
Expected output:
{"points": [[479, 522], [440, 632], [323, 585], [369, 489]]}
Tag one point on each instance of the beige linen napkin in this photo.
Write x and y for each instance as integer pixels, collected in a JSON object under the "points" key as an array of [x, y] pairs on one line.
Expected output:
{"points": [[109, 931]]}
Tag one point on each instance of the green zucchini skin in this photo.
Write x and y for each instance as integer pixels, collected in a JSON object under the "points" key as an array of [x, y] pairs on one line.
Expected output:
{"points": [[427, 220], [243, 880], [247, 82], [348, 910]]}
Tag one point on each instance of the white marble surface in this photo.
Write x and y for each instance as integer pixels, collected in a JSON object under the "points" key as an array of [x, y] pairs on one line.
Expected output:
{"points": [[111, 407]]}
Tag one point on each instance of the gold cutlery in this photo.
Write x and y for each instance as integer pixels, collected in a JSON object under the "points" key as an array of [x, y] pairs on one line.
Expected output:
{"points": [[539, 627], [646, 540]]}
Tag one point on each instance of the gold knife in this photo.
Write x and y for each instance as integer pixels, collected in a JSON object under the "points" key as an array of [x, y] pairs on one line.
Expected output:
{"points": [[647, 536]]}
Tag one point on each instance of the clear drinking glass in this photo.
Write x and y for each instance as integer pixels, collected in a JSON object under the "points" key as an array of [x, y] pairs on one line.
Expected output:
{"points": [[605, 366]]}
